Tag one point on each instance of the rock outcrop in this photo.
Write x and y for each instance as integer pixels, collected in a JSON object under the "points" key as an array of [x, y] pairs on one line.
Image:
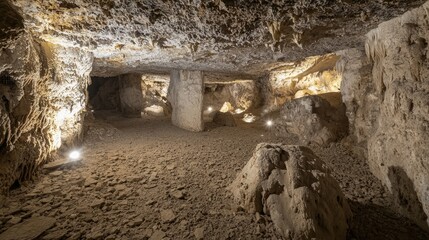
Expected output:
{"points": [[389, 111], [42, 92], [313, 119], [294, 187]]}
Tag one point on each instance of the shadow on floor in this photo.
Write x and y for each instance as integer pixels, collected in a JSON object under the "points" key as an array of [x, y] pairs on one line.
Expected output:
{"points": [[373, 222]]}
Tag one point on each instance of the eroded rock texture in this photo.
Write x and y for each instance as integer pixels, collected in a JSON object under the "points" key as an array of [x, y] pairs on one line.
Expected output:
{"points": [[294, 187], [313, 119], [42, 90], [240, 94], [155, 90], [390, 111], [235, 36], [311, 76]]}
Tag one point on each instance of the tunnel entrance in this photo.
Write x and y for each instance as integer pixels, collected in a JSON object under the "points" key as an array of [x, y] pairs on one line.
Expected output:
{"points": [[132, 95]]}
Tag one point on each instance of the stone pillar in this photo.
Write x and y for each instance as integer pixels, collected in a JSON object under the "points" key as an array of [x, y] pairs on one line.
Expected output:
{"points": [[130, 93], [185, 94]]}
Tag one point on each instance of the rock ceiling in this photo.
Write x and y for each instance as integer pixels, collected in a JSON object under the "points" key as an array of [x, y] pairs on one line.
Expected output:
{"points": [[241, 36]]}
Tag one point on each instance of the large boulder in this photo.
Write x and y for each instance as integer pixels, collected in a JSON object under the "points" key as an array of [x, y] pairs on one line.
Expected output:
{"points": [[313, 119], [294, 187]]}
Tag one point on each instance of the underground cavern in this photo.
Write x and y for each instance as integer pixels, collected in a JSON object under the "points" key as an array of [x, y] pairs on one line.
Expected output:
{"points": [[214, 119]]}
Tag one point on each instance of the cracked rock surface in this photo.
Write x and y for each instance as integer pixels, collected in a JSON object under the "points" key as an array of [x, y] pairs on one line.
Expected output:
{"points": [[294, 187], [236, 36]]}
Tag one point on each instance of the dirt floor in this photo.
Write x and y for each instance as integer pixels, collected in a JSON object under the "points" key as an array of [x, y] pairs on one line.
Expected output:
{"points": [[146, 179]]}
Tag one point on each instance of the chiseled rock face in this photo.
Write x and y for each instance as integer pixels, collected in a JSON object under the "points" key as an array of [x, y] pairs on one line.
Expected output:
{"points": [[185, 94], [313, 119], [388, 109], [243, 35], [294, 187]]}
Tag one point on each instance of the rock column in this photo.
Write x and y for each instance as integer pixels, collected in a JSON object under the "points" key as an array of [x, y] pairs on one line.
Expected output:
{"points": [[185, 94], [130, 93]]}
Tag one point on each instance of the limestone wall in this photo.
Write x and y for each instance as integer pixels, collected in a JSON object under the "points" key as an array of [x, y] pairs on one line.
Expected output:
{"points": [[310, 76], [389, 111], [242, 95], [42, 99]]}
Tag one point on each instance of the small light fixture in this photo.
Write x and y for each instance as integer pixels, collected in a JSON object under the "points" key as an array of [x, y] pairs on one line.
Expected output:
{"points": [[74, 155], [269, 123], [210, 109], [238, 111]]}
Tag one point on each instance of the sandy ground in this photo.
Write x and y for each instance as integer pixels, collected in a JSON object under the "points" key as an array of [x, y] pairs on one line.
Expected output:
{"points": [[146, 179]]}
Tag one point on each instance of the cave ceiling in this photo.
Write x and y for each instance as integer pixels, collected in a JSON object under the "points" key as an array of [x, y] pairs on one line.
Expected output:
{"points": [[245, 37]]}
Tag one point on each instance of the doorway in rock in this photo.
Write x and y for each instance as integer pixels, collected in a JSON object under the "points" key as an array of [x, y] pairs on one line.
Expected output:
{"points": [[130, 95]]}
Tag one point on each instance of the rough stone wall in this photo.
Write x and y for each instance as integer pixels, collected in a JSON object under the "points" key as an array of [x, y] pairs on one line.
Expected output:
{"points": [[185, 94], [104, 93], [155, 90], [358, 95], [311, 76], [390, 111], [42, 93], [130, 93], [241, 95], [69, 70]]}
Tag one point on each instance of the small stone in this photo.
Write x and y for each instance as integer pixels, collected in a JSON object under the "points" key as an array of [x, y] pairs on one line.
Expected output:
{"points": [[59, 234], [167, 216], [47, 200], [153, 177], [177, 194], [89, 182], [199, 233], [56, 173], [136, 222], [14, 220], [95, 235], [29, 229], [120, 188], [110, 237], [157, 235], [147, 232], [98, 203]]}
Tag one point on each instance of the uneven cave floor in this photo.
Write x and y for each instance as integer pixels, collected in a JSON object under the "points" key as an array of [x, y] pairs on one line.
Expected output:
{"points": [[146, 179]]}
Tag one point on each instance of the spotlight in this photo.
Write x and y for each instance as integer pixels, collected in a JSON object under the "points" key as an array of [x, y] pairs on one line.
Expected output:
{"points": [[238, 111], [269, 123], [210, 109], [74, 155]]}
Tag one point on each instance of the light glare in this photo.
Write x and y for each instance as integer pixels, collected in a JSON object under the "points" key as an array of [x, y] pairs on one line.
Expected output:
{"points": [[269, 123], [210, 109], [74, 155]]}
